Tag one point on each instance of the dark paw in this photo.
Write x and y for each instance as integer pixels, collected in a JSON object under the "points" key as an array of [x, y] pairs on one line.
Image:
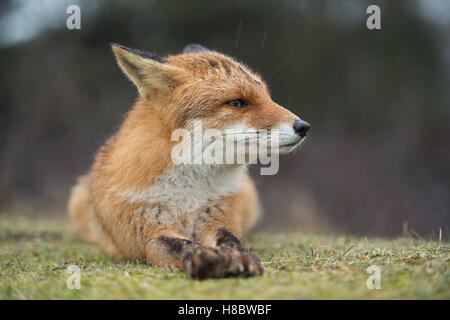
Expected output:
{"points": [[222, 262], [205, 263], [242, 263]]}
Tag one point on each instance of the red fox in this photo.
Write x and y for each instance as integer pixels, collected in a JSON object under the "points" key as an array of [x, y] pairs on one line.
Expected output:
{"points": [[135, 203]]}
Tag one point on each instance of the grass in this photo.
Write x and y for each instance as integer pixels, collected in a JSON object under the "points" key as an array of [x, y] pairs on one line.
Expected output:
{"points": [[34, 255]]}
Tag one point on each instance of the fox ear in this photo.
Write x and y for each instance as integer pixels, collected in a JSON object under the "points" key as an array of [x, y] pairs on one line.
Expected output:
{"points": [[194, 47], [149, 72]]}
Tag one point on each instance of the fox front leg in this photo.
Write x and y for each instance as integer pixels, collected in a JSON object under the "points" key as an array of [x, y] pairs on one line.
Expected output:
{"points": [[242, 261], [237, 260], [199, 262], [227, 259], [214, 229], [166, 250]]}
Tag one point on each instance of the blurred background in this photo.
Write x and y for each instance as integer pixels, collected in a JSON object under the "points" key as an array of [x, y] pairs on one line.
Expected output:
{"points": [[378, 155]]}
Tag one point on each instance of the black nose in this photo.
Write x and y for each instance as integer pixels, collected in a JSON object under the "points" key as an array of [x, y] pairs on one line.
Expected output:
{"points": [[301, 127]]}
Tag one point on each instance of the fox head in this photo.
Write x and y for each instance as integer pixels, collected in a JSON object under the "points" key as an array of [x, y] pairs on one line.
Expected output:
{"points": [[201, 84]]}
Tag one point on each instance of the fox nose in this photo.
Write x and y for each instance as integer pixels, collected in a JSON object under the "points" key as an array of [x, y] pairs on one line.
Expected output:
{"points": [[301, 127]]}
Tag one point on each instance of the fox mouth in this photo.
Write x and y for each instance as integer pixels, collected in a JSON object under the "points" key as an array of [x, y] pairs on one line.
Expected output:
{"points": [[292, 144]]}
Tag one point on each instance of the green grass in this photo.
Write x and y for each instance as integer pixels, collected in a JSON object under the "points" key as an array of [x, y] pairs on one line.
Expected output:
{"points": [[34, 255]]}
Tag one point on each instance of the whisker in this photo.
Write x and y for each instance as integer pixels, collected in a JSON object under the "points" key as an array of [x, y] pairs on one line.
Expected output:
{"points": [[236, 133], [239, 139]]}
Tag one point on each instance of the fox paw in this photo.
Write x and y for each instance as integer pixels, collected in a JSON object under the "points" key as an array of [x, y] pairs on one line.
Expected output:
{"points": [[221, 262]]}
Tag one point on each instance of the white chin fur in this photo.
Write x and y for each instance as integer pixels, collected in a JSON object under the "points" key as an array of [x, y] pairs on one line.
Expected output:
{"points": [[289, 139], [290, 148]]}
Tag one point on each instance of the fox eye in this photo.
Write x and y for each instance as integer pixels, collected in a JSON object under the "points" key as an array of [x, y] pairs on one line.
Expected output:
{"points": [[238, 103]]}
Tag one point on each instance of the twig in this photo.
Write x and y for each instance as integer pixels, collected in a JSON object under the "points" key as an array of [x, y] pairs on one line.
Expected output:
{"points": [[406, 233], [440, 240], [348, 250], [416, 234]]}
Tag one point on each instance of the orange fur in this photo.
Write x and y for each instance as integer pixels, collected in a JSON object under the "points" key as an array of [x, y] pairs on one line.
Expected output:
{"points": [[173, 91]]}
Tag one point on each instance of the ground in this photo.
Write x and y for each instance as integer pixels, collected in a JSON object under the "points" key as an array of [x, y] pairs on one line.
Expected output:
{"points": [[35, 255]]}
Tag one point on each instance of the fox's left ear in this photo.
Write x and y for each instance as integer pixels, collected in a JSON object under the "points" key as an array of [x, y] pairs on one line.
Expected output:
{"points": [[194, 47], [149, 72]]}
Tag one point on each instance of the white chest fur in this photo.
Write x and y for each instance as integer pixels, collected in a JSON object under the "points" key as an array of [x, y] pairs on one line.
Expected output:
{"points": [[186, 188]]}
